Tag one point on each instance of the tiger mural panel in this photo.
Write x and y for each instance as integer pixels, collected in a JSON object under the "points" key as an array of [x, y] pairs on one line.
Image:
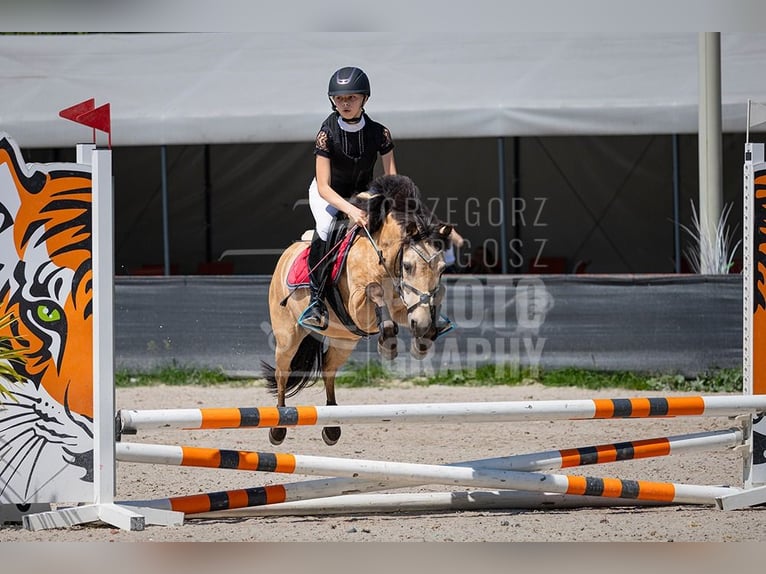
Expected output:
{"points": [[46, 281]]}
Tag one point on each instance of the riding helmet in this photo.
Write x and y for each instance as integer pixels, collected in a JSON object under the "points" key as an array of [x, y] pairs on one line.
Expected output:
{"points": [[349, 80]]}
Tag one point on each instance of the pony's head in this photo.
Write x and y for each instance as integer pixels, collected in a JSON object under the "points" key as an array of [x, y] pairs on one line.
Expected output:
{"points": [[417, 238]]}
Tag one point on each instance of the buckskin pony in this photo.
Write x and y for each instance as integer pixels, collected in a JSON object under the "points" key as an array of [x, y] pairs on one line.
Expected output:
{"points": [[389, 276]]}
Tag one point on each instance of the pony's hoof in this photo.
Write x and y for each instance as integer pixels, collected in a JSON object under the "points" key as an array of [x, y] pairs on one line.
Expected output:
{"points": [[330, 435], [388, 329], [277, 435], [387, 348], [419, 348]]}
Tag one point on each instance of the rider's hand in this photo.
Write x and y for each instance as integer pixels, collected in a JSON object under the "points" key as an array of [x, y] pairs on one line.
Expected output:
{"points": [[358, 216]]}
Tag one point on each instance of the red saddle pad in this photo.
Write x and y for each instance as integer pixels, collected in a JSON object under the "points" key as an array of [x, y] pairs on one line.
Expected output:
{"points": [[298, 275]]}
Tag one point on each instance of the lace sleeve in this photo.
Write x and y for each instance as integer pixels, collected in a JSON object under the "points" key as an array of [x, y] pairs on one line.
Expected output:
{"points": [[388, 143], [322, 144]]}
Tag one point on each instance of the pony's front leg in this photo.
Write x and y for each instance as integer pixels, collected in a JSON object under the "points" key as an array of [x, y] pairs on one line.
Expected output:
{"points": [[387, 327]]}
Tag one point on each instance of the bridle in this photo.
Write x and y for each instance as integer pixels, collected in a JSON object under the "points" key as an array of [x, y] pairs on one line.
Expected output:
{"points": [[426, 298]]}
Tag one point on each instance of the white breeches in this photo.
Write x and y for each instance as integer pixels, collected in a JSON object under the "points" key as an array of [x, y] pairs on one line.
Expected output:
{"points": [[323, 212]]}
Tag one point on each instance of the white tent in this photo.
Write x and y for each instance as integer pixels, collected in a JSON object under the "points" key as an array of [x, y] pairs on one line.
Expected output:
{"points": [[256, 87], [591, 122]]}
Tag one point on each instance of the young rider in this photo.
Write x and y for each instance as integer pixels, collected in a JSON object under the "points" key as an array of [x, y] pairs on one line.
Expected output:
{"points": [[346, 149]]}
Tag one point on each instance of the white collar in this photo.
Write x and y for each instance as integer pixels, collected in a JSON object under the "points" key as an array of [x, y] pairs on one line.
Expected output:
{"points": [[347, 127]]}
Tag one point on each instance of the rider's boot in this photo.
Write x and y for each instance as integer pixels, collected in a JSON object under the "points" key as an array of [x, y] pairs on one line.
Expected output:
{"points": [[315, 317]]}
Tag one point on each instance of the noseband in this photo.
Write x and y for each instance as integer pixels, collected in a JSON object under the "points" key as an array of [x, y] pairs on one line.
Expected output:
{"points": [[424, 298]]}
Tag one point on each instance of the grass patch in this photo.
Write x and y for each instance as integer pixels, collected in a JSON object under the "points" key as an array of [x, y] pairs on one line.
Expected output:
{"points": [[173, 375], [376, 374], [363, 375]]}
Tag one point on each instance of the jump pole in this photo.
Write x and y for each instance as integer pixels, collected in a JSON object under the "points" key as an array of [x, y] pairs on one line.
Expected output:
{"points": [[414, 473], [335, 493], [404, 502], [130, 421], [474, 500], [546, 460], [490, 473]]}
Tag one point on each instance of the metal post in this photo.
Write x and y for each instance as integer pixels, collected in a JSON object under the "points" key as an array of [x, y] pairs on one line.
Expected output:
{"points": [[208, 207], [710, 162], [501, 194], [676, 205], [165, 225]]}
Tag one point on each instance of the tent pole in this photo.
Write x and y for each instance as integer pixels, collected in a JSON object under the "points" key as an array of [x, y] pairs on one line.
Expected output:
{"points": [[208, 207], [516, 193], [676, 205], [501, 194], [165, 227], [710, 162]]}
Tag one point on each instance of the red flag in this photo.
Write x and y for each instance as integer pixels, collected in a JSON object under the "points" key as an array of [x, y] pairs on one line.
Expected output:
{"points": [[98, 118], [72, 112]]}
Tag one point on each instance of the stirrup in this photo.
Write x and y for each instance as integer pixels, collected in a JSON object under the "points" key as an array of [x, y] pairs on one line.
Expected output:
{"points": [[443, 326], [314, 317]]}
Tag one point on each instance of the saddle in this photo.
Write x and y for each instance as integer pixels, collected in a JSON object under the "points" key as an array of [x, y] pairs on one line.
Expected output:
{"points": [[298, 274]]}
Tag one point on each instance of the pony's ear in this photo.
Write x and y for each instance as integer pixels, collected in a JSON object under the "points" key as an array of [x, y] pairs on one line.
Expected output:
{"points": [[442, 240]]}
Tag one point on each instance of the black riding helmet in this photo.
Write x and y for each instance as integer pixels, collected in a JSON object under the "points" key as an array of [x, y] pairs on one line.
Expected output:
{"points": [[349, 80]]}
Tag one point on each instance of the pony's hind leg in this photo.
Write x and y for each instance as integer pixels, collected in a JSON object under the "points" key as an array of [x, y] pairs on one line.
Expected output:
{"points": [[277, 434], [282, 370], [337, 354], [297, 367]]}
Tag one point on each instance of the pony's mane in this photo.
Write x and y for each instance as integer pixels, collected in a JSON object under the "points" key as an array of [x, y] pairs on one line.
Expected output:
{"points": [[399, 196]]}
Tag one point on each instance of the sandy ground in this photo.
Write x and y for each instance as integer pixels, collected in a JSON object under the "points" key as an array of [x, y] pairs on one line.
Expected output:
{"points": [[432, 444]]}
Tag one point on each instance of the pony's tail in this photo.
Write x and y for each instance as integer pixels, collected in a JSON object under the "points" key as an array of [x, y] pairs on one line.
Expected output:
{"points": [[305, 368]]}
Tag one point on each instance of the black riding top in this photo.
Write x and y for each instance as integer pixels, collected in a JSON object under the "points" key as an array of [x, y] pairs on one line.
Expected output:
{"points": [[352, 154]]}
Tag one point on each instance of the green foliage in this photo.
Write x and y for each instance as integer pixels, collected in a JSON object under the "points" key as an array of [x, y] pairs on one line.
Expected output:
{"points": [[374, 373], [173, 375], [593, 379], [712, 252], [482, 375], [363, 375], [8, 356], [723, 380]]}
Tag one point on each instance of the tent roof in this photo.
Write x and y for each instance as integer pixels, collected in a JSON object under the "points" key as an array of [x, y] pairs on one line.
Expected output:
{"points": [[255, 87]]}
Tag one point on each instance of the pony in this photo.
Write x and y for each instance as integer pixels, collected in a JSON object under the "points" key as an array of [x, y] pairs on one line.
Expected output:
{"points": [[391, 278]]}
